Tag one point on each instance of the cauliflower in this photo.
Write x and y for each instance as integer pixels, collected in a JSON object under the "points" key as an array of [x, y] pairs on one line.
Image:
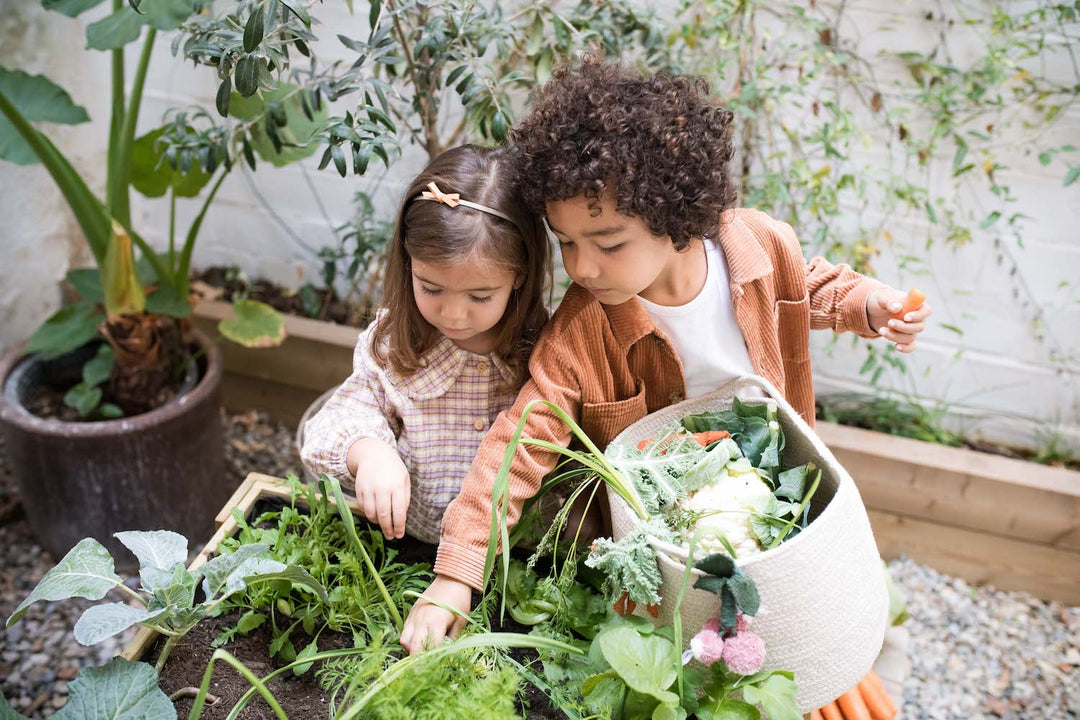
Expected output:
{"points": [[725, 506]]}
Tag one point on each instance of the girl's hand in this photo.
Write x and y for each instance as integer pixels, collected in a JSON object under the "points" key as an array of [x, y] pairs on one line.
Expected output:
{"points": [[880, 307], [382, 485], [428, 623]]}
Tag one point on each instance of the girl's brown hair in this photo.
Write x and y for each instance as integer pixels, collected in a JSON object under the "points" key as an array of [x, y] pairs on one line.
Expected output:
{"points": [[433, 232]]}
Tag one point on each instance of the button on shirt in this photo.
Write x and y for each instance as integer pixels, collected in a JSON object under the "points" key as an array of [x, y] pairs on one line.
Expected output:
{"points": [[435, 418]]}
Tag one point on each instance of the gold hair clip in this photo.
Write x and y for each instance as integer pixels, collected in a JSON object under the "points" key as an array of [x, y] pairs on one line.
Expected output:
{"points": [[454, 199], [434, 193]]}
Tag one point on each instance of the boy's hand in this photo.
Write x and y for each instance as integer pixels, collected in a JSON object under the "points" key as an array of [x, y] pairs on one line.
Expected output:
{"points": [[382, 485], [880, 307], [428, 623]]}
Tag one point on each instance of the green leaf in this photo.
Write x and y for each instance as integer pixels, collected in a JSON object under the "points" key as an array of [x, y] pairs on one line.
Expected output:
{"points": [[68, 329], [256, 325], [731, 709], [71, 8], [1072, 175], [39, 100], [99, 367], [647, 664], [295, 134], [166, 301], [162, 549], [717, 564], [217, 572], [83, 398], [247, 75], [250, 621], [108, 410], [120, 690], [776, 696], [253, 31], [310, 649], [124, 293], [114, 31], [7, 712], [169, 14], [87, 282], [745, 593], [224, 94], [103, 621], [299, 8], [990, 220], [153, 177], [793, 483], [86, 571]]}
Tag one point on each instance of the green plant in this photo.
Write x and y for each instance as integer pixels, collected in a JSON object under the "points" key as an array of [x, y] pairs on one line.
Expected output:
{"points": [[316, 539], [135, 307], [118, 689], [167, 599], [906, 418]]}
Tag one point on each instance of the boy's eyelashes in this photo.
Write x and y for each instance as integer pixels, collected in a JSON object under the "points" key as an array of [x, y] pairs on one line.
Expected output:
{"points": [[605, 250]]}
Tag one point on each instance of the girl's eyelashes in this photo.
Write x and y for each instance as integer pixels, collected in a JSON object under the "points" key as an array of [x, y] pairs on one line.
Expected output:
{"points": [[612, 249], [429, 291], [480, 299]]}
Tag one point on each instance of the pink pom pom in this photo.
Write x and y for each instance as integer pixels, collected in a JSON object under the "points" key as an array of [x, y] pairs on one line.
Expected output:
{"points": [[707, 646], [744, 653]]}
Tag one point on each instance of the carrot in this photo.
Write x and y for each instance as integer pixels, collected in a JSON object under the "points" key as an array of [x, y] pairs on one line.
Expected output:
{"points": [[654, 610], [878, 707], [852, 705], [704, 439], [816, 715], [832, 712], [914, 300], [624, 605], [879, 687]]}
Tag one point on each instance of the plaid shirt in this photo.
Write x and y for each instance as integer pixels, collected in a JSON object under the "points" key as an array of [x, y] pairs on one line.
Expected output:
{"points": [[435, 418]]}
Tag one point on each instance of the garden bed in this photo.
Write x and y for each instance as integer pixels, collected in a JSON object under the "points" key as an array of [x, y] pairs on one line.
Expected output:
{"points": [[299, 695]]}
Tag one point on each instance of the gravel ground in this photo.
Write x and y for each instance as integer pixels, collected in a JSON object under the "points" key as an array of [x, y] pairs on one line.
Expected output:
{"points": [[976, 653]]}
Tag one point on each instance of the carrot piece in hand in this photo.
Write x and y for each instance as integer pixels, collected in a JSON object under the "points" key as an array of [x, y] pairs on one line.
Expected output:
{"points": [[832, 712], [913, 301], [816, 715], [852, 705], [875, 682], [878, 706]]}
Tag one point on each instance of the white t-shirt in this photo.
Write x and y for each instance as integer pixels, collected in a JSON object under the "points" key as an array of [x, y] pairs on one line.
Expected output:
{"points": [[704, 332]]}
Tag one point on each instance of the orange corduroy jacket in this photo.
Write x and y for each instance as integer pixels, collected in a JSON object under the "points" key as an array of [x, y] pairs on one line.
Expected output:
{"points": [[608, 366]]}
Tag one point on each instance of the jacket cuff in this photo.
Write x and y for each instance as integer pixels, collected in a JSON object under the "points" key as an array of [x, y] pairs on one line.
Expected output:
{"points": [[461, 564], [853, 310]]}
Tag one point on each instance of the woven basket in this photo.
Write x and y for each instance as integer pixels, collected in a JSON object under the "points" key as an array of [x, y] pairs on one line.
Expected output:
{"points": [[824, 602]]}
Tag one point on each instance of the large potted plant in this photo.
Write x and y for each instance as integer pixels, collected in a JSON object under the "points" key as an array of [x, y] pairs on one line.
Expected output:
{"points": [[110, 410]]}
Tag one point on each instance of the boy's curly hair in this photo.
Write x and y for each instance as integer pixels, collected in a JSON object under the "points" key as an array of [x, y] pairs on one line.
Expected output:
{"points": [[660, 142]]}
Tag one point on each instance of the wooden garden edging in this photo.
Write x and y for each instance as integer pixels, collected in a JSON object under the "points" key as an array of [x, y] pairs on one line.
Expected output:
{"points": [[256, 486], [281, 380], [985, 518]]}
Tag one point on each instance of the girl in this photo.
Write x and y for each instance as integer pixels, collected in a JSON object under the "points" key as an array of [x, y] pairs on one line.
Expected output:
{"points": [[446, 354], [674, 292]]}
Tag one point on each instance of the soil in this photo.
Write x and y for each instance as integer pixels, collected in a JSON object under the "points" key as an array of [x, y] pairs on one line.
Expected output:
{"points": [[281, 299], [46, 400], [301, 697]]}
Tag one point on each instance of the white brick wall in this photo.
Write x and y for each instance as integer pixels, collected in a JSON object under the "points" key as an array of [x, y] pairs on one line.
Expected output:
{"points": [[1000, 380]]}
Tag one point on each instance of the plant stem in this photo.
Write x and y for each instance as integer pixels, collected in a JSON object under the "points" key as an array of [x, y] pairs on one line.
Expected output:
{"points": [[181, 277], [170, 643], [172, 229], [116, 119], [120, 172], [132, 593]]}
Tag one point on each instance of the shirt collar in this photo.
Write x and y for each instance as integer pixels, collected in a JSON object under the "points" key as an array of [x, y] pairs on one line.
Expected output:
{"points": [[747, 260], [440, 369]]}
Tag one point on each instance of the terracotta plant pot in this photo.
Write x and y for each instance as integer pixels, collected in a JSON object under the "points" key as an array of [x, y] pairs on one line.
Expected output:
{"points": [[159, 470]]}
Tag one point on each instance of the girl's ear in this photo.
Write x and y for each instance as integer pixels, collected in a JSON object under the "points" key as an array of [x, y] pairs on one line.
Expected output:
{"points": [[519, 281]]}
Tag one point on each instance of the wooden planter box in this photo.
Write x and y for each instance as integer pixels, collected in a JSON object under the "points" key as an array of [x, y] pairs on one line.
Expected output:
{"points": [[282, 380], [256, 486], [985, 518]]}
